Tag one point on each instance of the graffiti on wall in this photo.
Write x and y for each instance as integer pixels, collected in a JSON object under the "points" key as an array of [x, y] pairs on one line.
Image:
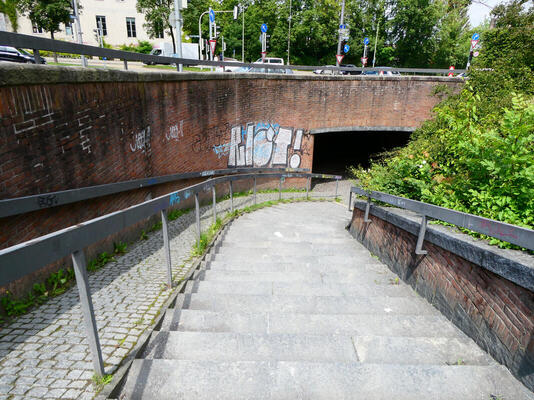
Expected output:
{"points": [[141, 141], [263, 145], [175, 132]]}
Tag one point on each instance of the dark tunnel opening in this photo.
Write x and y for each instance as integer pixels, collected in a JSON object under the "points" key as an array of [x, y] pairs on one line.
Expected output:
{"points": [[333, 153]]}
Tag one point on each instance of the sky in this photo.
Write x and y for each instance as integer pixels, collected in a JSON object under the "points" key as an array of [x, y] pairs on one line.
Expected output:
{"points": [[478, 12]]}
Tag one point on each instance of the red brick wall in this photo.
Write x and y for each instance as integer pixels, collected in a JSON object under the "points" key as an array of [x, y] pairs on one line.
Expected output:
{"points": [[84, 128], [497, 313]]}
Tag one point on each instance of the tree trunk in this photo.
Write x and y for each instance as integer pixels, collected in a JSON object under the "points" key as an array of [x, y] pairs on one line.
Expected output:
{"points": [[172, 37], [55, 54]]}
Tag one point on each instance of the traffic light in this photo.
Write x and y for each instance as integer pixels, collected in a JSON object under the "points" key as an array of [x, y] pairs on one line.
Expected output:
{"points": [[217, 30]]}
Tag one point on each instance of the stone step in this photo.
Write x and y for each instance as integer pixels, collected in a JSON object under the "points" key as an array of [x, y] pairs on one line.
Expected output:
{"points": [[295, 259], [300, 288], [277, 240], [356, 277], [277, 380], [226, 346], [305, 304], [312, 324], [288, 250], [349, 267]]}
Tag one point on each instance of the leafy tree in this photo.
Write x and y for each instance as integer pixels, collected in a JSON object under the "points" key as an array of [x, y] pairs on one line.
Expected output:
{"points": [[9, 8], [475, 155], [157, 13], [47, 14]]}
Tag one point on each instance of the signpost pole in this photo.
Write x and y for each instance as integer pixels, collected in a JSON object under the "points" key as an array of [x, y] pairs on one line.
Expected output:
{"points": [[341, 18], [376, 41], [178, 31], [79, 29]]}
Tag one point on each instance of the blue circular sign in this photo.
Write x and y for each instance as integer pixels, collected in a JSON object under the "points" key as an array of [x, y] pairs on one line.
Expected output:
{"points": [[475, 36], [366, 41], [346, 48], [342, 26], [212, 16], [264, 28]]}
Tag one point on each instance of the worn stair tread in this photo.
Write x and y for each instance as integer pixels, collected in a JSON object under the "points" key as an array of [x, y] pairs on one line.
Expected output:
{"points": [[295, 276], [307, 304], [293, 259], [300, 288], [221, 346], [270, 380], [259, 266], [315, 324]]}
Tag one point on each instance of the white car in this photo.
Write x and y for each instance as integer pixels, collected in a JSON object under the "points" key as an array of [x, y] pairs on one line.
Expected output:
{"points": [[270, 60]]}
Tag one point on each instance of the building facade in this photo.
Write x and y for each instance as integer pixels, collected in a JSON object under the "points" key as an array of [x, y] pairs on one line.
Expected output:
{"points": [[118, 19]]}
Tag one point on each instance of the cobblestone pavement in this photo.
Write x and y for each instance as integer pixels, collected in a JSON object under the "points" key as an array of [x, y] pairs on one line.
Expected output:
{"points": [[44, 354]]}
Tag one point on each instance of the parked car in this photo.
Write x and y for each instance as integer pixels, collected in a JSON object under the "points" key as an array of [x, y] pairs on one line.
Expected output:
{"points": [[228, 69], [8, 53], [270, 60], [322, 71], [259, 70], [349, 72], [387, 71]]}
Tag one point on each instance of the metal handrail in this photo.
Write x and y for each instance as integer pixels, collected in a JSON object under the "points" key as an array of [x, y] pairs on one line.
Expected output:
{"points": [[21, 205], [513, 234], [21, 259], [38, 43]]}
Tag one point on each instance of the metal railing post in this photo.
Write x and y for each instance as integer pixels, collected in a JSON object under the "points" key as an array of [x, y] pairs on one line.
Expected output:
{"points": [[37, 56], [280, 190], [337, 186], [421, 237], [214, 204], [367, 209], [166, 245], [126, 65], [308, 185], [80, 271], [255, 202], [197, 216], [231, 197], [350, 199]]}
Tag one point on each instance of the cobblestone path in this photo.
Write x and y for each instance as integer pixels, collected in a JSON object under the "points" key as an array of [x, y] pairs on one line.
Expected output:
{"points": [[44, 354]]}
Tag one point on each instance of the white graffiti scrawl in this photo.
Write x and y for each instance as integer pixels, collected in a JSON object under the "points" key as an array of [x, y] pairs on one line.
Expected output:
{"points": [[263, 145]]}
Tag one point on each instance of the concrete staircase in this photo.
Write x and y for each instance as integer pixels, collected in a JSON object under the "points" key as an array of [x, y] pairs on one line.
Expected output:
{"points": [[290, 306]]}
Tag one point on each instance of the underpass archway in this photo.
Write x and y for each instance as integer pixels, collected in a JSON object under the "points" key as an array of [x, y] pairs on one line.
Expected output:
{"points": [[334, 152]]}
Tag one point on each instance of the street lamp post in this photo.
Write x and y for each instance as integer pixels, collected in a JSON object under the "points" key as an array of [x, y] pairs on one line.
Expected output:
{"points": [[289, 33], [178, 18], [79, 29]]}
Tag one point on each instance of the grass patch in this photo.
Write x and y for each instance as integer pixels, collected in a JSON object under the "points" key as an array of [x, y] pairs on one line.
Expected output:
{"points": [[100, 381]]}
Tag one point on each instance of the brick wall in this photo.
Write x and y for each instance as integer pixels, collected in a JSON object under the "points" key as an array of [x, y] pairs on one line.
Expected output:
{"points": [[496, 312], [64, 128]]}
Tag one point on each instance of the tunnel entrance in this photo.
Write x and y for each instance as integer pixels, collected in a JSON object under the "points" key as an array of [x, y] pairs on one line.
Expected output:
{"points": [[334, 152]]}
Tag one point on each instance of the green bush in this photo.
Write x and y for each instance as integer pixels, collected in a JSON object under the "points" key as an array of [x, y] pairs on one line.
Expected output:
{"points": [[142, 46]]}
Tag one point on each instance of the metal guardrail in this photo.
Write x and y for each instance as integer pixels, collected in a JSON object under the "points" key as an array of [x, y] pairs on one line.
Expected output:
{"points": [[21, 205], [38, 43], [517, 235], [21, 259]]}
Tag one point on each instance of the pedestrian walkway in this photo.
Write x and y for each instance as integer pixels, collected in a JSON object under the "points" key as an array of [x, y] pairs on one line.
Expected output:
{"points": [[289, 306], [44, 354]]}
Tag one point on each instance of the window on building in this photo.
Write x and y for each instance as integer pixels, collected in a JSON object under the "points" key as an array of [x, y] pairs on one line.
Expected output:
{"points": [[68, 29], [130, 27], [101, 24], [37, 29]]}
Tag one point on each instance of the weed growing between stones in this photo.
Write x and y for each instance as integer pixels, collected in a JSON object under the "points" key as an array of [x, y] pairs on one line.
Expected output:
{"points": [[100, 381]]}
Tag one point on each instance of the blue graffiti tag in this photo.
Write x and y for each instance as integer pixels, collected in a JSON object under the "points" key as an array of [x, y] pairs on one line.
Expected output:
{"points": [[175, 199], [222, 150], [187, 195]]}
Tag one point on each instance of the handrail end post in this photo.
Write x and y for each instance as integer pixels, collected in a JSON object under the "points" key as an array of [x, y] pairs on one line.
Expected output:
{"points": [[421, 237], [166, 245]]}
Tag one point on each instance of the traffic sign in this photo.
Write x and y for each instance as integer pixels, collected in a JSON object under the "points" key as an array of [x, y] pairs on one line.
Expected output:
{"points": [[475, 54], [172, 20], [366, 41], [364, 60], [212, 16], [264, 28], [346, 48], [343, 26], [475, 36], [213, 44], [474, 43], [263, 54], [339, 58], [451, 68]]}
